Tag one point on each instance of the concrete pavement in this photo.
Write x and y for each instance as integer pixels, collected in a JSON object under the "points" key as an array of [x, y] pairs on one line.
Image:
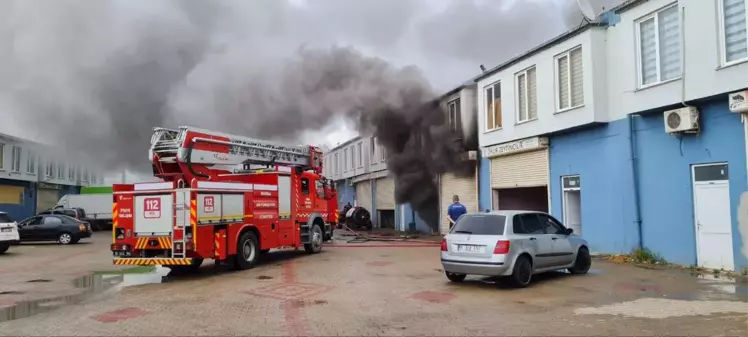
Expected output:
{"points": [[375, 291]]}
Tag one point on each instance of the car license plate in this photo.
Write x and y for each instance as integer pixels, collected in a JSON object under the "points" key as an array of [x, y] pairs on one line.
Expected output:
{"points": [[469, 249], [122, 253], [5, 230]]}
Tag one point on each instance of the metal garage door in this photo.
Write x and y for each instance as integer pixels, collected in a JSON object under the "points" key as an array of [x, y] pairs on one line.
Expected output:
{"points": [[363, 195], [465, 187], [385, 193], [520, 170], [46, 199]]}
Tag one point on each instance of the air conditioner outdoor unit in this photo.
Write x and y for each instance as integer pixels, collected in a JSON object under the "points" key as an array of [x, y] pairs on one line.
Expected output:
{"points": [[683, 120], [739, 101]]}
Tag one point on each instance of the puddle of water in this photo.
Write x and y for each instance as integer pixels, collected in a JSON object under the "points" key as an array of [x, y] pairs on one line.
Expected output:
{"points": [[723, 284], [38, 281], [92, 285]]}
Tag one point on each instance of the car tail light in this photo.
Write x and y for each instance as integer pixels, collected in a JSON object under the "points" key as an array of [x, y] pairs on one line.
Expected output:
{"points": [[502, 247], [82, 227], [444, 245]]}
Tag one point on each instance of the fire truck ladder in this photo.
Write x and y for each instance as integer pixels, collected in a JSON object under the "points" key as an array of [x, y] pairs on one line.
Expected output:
{"points": [[166, 144]]}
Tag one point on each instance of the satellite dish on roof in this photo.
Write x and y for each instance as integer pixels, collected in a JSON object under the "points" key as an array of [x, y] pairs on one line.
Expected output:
{"points": [[588, 11]]}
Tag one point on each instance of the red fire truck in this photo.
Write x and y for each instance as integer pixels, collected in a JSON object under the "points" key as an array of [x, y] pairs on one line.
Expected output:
{"points": [[222, 197]]}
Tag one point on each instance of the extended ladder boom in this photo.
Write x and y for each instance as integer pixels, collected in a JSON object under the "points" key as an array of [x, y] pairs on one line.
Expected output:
{"points": [[194, 146]]}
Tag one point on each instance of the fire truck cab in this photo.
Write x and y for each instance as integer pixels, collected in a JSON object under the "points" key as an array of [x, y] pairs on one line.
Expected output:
{"points": [[231, 217]]}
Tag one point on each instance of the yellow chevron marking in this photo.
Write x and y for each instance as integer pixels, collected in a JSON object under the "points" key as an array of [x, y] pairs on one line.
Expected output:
{"points": [[114, 221]]}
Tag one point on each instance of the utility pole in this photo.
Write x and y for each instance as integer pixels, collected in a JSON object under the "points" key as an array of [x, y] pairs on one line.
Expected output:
{"points": [[124, 176]]}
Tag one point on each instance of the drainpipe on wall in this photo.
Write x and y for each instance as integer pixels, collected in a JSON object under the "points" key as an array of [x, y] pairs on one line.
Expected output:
{"points": [[635, 174]]}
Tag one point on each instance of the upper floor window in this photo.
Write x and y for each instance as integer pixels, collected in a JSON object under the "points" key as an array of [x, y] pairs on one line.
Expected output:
{"points": [[85, 175], [527, 104], [31, 163], [353, 157], [659, 47], [61, 171], [71, 173], [569, 80], [373, 149], [383, 153], [16, 163], [50, 171], [337, 164], [345, 159], [2, 156], [360, 155], [733, 37], [493, 106], [454, 115]]}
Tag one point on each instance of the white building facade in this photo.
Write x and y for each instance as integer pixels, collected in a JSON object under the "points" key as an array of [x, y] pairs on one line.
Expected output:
{"points": [[34, 176], [626, 126]]}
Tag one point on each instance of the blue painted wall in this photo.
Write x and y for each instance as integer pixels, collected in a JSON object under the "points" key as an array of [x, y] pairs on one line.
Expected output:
{"points": [[484, 184], [27, 206], [346, 193], [666, 189], [600, 155], [421, 226]]}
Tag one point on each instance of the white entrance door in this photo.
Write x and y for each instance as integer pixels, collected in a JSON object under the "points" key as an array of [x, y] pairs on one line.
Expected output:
{"points": [[572, 203], [711, 197]]}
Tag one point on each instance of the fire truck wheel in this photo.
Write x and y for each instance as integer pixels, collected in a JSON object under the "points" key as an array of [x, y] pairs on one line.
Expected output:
{"points": [[248, 251], [315, 246]]}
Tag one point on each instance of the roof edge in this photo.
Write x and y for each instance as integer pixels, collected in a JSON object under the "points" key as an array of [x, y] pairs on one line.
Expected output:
{"points": [[543, 46]]}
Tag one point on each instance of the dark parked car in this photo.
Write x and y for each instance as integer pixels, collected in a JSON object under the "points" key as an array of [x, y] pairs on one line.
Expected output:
{"points": [[54, 227], [77, 213]]}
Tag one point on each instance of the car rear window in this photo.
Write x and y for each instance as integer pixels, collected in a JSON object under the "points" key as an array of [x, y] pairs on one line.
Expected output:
{"points": [[480, 224], [5, 218]]}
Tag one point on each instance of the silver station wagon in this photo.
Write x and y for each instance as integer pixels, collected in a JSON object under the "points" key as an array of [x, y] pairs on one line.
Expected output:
{"points": [[512, 244]]}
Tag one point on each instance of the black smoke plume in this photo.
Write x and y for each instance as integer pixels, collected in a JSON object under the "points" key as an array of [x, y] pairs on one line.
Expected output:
{"points": [[97, 75]]}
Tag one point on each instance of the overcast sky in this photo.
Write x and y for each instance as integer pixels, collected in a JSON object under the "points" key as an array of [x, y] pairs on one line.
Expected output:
{"points": [[83, 72]]}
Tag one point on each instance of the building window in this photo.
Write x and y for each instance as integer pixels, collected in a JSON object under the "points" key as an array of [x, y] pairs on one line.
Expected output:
{"points": [[659, 50], [71, 173], [31, 163], [16, 162], [569, 82], [85, 175], [353, 157], [50, 171], [454, 115], [493, 106], [360, 155], [61, 171], [383, 152], [337, 164], [527, 104], [345, 160], [2, 156], [733, 31], [373, 149]]}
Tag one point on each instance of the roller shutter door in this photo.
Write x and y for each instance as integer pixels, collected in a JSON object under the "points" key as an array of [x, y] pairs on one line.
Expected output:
{"points": [[465, 187], [385, 193], [363, 195], [46, 199], [527, 169]]}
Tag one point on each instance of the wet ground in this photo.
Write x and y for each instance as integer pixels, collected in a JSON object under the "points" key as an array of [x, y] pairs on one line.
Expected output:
{"points": [[353, 291]]}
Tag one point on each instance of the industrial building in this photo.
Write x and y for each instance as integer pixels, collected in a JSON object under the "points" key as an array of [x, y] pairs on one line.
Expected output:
{"points": [[34, 176], [631, 130], [359, 167]]}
